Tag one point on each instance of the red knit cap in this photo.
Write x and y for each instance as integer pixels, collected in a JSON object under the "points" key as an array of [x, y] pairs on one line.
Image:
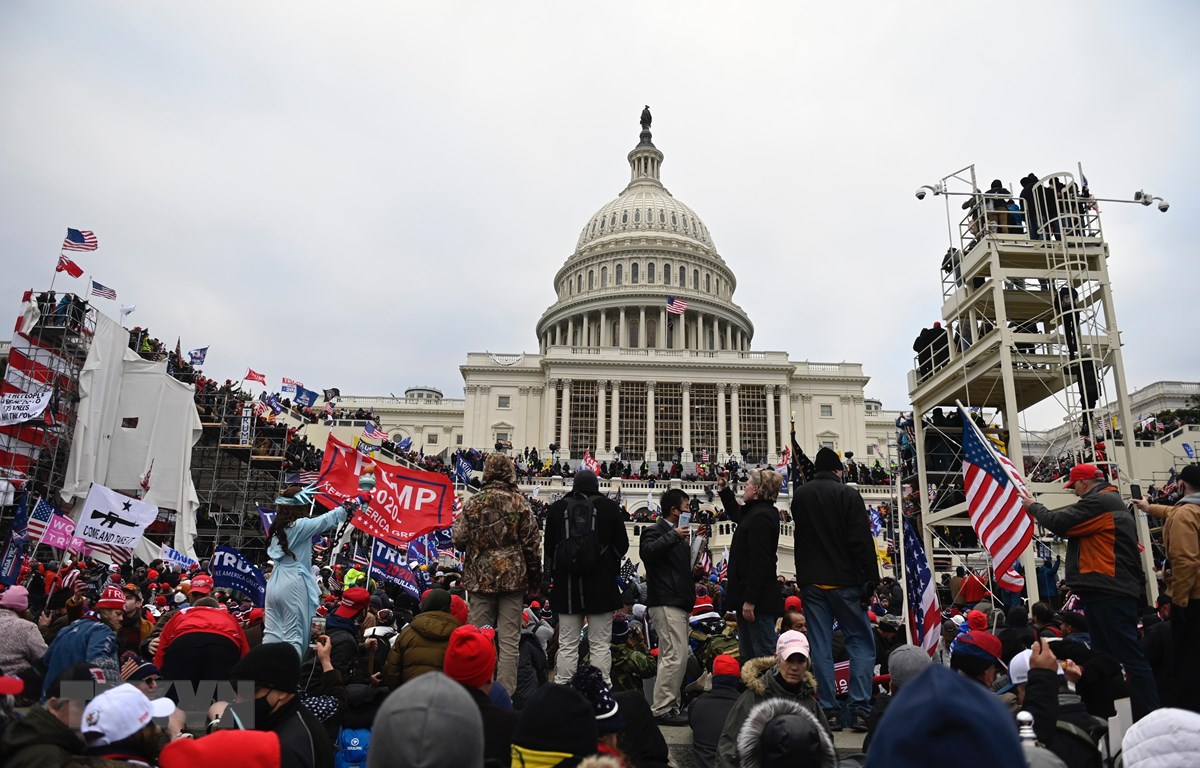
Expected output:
{"points": [[703, 605], [227, 748], [458, 609], [471, 656], [724, 664], [977, 620], [112, 597]]}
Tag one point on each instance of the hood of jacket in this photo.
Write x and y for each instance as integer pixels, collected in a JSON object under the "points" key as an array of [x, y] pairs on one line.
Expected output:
{"points": [[40, 728], [434, 625], [1165, 738], [1191, 498], [499, 468], [585, 482], [762, 737], [435, 721], [758, 675]]}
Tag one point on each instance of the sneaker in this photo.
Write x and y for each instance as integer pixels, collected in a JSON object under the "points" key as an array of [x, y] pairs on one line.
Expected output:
{"points": [[860, 721], [834, 718], [672, 719]]}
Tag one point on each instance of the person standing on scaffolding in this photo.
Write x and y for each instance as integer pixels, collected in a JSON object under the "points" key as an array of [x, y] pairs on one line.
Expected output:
{"points": [[1103, 568], [292, 592]]}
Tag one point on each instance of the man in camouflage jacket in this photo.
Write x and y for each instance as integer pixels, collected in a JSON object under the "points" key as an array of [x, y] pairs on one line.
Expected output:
{"points": [[502, 556]]}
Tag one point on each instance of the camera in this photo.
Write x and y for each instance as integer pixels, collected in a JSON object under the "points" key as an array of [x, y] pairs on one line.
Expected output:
{"points": [[921, 193], [1163, 205]]}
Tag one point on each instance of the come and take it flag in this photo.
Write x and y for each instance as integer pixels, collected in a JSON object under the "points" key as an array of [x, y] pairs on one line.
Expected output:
{"points": [[992, 487], [68, 266], [113, 519], [80, 240], [924, 617], [253, 375]]}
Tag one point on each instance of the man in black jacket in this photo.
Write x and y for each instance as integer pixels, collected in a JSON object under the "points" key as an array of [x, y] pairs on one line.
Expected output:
{"points": [[837, 570], [666, 552], [594, 594]]}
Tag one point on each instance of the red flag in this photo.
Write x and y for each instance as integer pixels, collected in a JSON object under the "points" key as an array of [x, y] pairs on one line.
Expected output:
{"points": [[405, 504], [68, 266], [253, 375]]}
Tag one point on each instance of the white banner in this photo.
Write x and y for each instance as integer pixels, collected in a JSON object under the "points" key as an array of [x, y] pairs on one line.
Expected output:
{"points": [[16, 408], [176, 558], [113, 518]]}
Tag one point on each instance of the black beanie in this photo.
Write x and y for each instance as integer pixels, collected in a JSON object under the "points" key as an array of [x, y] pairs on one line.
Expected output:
{"points": [[557, 718], [828, 461], [436, 600], [270, 665]]}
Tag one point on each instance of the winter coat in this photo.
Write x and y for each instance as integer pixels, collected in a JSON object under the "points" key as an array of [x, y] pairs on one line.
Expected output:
{"points": [[630, 667], [833, 545], [707, 716], [498, 726], [212, 621], [1165, 738], [596, 591], [1102, 543], [499, 537], [83, 640], [750, 738], [667, 555], [1181, 539], [345, 653], [420, 648], [531, 668], [22, 646], [1049, 709], [642, 742], [753, 555], [760, 676], [40, 740]]}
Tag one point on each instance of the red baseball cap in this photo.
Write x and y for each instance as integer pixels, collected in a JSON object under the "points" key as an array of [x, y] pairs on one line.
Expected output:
{"points": [[353, 601], [1084, 472], [202, 583]]}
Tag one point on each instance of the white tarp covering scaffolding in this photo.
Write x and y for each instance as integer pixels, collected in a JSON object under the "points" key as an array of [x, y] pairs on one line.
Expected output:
{"points": [[133, 416]]}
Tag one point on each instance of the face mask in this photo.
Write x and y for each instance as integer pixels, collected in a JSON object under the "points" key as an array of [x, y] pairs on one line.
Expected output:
{"points": [[262, 712]]}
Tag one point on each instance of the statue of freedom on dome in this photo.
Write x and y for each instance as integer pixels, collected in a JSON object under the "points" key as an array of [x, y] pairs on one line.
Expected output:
{"points": [[646, 118]]}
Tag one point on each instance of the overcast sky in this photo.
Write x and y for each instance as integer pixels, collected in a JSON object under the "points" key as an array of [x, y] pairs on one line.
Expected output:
{"points": [[358, 194]]}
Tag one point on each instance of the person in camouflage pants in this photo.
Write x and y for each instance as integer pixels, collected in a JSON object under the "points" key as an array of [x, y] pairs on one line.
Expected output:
{"points": [[631, 663]]}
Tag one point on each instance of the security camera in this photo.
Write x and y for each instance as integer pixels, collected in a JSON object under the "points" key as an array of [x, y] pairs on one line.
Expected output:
{"points": [[1163, 205], [921, 193]]}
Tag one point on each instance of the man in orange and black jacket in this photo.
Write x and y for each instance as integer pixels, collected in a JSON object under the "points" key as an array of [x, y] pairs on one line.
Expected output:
{"points": [[1104, 569]]}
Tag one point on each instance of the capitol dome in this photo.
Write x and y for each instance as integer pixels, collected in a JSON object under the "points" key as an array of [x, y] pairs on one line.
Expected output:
{"points": [[636, 256]]}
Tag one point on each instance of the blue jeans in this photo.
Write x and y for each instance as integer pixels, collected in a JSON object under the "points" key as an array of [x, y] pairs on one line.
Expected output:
{"points": [[821, 607], [1112, 621], [756, 638]]}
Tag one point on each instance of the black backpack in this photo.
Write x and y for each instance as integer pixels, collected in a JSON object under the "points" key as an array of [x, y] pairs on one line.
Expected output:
{"points": [[579, 551]]}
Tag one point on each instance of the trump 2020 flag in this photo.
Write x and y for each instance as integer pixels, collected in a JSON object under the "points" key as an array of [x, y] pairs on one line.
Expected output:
{"points": [[388, 563], [305, 398], [924, 618], [992, 487], [231, 570], [197, 356], [113, 519]]}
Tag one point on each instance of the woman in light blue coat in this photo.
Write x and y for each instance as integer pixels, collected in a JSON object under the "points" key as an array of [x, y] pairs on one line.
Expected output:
{"points": [[292, 592]]}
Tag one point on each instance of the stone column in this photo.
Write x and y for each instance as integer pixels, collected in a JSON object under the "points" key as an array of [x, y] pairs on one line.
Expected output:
{"points": [[565, 428], [686, 387], [485, 400], [641, 327], [520, 438], [548, 408], [785, 401], [650, 453], [807, 423], [571, 332], [721, 441], [604, 332], [772, 435], [624, 340], [601, 387], [679, 334], [614, 433], [716, 333], [660, 333], [729, 336], [736, 447]]}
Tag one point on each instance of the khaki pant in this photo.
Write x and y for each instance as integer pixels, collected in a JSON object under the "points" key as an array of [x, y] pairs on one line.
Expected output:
{"points": [[671, 624], [599, 627], [501, 611]]}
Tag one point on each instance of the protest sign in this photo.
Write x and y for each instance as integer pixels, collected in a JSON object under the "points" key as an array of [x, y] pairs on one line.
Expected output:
{"points": [[59, 532], [175, 557], [19, 406], [231, 570], [113, 518]]}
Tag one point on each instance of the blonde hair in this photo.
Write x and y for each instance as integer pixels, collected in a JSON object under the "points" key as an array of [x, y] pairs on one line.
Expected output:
{"points": [[768, 482]]}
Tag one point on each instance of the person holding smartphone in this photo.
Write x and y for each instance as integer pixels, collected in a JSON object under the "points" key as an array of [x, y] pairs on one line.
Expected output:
{"points": [[666, 551], [753, 590]]}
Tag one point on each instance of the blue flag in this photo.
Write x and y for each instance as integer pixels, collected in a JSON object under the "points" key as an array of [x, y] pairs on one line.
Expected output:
{"points": [[405, 444], [231, 570], [14, 553], [266, 517], [463, 470], [388, 563], [1187, 448], [305, 397], [196, 356]]}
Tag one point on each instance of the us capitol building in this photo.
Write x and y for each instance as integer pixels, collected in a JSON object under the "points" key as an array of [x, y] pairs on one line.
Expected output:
{"points": [[615, 367]]}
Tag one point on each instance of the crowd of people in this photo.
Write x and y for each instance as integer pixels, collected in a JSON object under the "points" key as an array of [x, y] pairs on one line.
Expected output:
{"points": [[543, 645]]}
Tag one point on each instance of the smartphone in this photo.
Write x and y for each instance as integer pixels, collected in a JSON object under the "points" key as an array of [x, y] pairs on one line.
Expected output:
{"points": [[1135, 491], [318, 626], [685, 519]]}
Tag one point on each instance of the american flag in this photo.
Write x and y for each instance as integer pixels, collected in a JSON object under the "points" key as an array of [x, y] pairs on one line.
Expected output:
{"points": [[79, 240], [103, 291], [373, 432], [704, 455], [705, 561], [924, 617], [676, 306], [39, 519], [723, 568], [992, 485]]}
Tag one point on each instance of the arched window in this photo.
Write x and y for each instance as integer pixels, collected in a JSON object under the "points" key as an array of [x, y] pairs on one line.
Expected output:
{"points": [[662, 216], [666, 274], [616, 333], [682, 277], [632, 324], [633, 273], [613, 221], [708, 282], [604, 277], [651, 332], [718, 286], [579, 284], [591, 279], [650, 272], [674, 221], [624, 217], [637, 216], [620, 274], [696, 279]]}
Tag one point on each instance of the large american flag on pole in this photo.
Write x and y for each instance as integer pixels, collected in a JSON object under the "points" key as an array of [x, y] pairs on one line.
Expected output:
{"points": [[79, 240], [924, 618], [992, 484], [39, 519], [676, 306]]}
